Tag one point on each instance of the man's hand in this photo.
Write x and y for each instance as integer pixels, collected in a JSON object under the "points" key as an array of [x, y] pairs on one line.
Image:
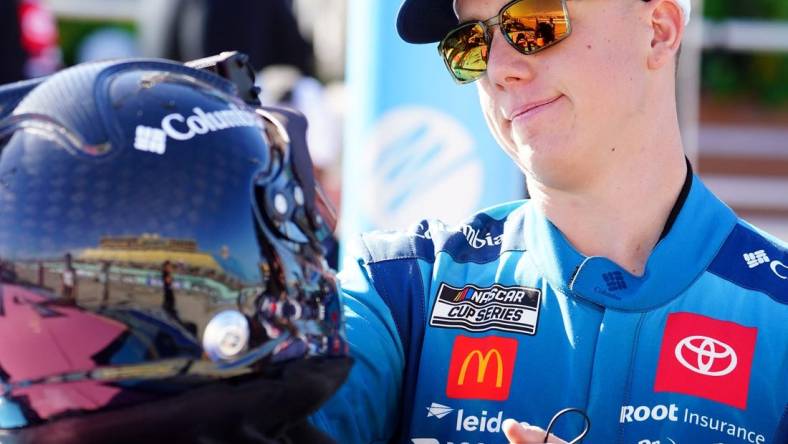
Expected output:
{"points": [[523, 433]]}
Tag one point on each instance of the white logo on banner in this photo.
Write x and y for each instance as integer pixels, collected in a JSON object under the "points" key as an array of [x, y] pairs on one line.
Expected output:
{"points": [[421, 164]]}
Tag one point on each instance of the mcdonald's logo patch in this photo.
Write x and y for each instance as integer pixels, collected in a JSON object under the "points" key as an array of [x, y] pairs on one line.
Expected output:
{"points": [[481, 368]]}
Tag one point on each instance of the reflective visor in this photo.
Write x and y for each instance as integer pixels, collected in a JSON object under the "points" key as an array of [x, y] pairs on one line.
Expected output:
{"points": [[527, 25]]}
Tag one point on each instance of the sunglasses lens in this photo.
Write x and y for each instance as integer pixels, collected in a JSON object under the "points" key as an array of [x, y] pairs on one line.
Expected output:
{"points": [[531, 25], [465, 52]]}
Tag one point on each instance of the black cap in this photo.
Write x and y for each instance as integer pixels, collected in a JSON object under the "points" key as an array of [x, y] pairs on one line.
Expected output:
{"points": [[425, 21]]}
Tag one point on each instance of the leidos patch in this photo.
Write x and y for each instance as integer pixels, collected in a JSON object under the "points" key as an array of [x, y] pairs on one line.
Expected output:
{"points": [[473, 308]]}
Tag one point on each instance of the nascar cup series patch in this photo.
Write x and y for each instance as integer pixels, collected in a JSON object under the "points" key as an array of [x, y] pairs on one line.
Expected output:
{"points": [[498, 307]]}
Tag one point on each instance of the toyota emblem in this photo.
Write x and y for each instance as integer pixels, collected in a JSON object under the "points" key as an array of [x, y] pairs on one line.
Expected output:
{"points": [[705, 352]]}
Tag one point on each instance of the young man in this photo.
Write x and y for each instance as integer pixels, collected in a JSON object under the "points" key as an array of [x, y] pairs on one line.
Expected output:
{"points": [[623, 288]]}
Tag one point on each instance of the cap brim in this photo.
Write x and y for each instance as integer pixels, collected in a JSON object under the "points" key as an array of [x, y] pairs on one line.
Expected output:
{"points": [[425, 21]]}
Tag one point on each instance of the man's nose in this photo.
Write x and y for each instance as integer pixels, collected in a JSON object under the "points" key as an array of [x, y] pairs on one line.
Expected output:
{"points": [[506, 66]]}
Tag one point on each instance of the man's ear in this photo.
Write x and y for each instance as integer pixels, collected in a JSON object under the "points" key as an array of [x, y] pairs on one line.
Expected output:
{"points": [[667, 26]]}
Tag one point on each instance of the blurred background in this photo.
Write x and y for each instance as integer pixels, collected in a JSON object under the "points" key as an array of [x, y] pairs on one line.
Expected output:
{"points": [[392, 137]]}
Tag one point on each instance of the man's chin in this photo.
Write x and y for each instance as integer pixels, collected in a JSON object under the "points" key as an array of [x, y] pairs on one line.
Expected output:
{"points": [[542, 150], [552, 168]]}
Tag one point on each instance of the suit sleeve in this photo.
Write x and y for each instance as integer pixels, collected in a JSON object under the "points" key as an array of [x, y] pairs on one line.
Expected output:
{"points": [[366, 408]]}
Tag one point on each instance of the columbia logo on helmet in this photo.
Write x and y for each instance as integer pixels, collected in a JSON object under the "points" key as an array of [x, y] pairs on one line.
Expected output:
{"points": [[179, 127]]}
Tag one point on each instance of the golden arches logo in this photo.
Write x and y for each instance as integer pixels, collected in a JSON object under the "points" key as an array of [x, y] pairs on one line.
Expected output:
{"points": [[481, 372]]}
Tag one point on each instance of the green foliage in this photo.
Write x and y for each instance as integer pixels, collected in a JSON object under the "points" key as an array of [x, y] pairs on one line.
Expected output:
{"points": [[73, 30], [763, 76], [760, 9]]}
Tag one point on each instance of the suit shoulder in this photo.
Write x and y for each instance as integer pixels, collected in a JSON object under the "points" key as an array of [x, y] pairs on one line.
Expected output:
{"points": [[479, 238], [755, 260]]}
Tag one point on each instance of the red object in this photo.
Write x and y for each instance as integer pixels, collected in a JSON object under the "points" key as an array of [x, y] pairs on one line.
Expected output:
{"points": [[38, 25], [481, 368], [707, 358]]}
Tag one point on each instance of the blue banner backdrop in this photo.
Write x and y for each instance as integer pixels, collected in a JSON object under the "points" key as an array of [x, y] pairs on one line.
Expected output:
{"points": [[416, 144]]}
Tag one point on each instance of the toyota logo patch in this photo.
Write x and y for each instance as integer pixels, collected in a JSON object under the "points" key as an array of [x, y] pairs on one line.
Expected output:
{"points": [[706, 356]]}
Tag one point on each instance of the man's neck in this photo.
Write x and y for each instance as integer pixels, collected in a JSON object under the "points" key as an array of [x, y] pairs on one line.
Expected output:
{"points": [[620, 216]]}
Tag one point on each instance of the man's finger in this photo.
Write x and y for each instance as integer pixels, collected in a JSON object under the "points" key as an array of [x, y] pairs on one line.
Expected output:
{"points": [[523, 433]]}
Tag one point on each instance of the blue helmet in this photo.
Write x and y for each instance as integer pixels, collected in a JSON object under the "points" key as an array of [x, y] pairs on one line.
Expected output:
{"points": [[162, 277]]}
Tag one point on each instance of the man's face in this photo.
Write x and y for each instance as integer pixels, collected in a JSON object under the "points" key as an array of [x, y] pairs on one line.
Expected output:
{"points": [[562, 114]]}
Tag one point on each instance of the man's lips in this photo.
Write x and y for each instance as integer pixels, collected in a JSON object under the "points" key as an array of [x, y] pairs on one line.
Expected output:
{"points": [[530, 108]]}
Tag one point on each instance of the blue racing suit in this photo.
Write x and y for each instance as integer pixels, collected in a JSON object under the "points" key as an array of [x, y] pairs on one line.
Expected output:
{"points": [[456, 328]]}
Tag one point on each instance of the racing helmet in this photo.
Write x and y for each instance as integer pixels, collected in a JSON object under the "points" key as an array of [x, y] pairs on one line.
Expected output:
{"points": [[162, 277]]}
